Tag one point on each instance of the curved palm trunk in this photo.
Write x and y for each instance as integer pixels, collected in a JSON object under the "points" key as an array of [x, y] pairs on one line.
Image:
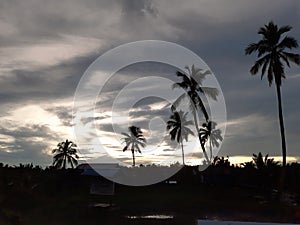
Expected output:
{"points": [[281, 123], [210, 148], [203, 109], [197, 129], [182, 151], [65, 161], [133, 157], [283, 143]]}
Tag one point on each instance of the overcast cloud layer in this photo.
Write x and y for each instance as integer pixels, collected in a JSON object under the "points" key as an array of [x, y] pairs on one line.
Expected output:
{"points": [[45, 47]]}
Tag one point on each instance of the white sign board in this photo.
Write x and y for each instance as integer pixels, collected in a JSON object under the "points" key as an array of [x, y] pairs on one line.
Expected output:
{"points": [[214, 222]]}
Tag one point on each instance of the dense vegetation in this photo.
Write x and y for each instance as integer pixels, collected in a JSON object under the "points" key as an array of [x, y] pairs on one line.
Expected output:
{"points": [[32, 195]]}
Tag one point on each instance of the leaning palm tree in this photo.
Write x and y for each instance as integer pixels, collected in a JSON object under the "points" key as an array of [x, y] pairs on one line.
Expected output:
{"points": [[192, 84], [65, 153], [133, 141], [209, 132], [178, 128], [272, 54]]}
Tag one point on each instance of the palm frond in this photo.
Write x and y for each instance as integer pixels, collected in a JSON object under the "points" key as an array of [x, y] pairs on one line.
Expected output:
{"points": [[125, 134], [259, 63], [59, 155], [285, 59], [173, 133], [265, 65], [211, 92], [284, 29], [137, 147], [179, 137], [185, 79], [188, 69], [198, 77], [70, 161], [295, 58], [287, 42], [125, 148], [253, 47], [178, 101]]}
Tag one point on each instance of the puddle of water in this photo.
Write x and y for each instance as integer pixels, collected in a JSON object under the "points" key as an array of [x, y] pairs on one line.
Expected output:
{"points": [[100, 205], [159, 217]]}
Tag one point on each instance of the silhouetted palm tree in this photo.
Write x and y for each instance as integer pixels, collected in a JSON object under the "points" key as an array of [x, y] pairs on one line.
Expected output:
{"points": [[65, 153], [134, 140], [271, 53], [221, 161], [209, 132], [261, 162], [191, 83], [248, 165], [179, 130]]}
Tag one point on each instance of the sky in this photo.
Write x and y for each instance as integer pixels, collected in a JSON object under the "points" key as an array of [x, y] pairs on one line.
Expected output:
{"points": [[46, 46]]}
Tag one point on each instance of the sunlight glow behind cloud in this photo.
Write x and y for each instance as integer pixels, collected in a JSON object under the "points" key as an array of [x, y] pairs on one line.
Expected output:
{"points": [[44, 53]]}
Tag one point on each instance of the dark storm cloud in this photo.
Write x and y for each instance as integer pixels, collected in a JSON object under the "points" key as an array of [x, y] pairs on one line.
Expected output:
{"points": [[54, 82], [63, 113], [91, 119], [118, 81], [47, 20], [109, 127], [25, 151], [31, 130], [217, 31], [146, 113], [138, 8], [22, 146], [30, 21]]}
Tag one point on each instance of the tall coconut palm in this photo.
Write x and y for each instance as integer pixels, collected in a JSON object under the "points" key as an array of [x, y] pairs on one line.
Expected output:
{"points": [[178, 128], [65, 153], [272, 54], [192, 84], [133, 141], [209, 132]]}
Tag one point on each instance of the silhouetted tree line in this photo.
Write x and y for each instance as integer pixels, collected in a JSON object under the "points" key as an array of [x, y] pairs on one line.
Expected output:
{"points": [[25, 187], [262, 171]]}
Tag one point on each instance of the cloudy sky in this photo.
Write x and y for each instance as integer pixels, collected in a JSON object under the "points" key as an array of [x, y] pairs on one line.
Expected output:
{"points": [[45, 47]]}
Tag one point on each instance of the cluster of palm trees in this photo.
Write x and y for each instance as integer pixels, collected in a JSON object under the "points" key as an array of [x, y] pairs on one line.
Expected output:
{"points": [[178, 124], [272, 55]]}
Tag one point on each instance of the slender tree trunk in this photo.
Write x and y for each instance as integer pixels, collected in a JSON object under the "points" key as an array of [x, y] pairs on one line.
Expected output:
{"points": [[210, 147], [281, 123], [283, 144], [182, 151], [71, 163], [133, 158], [196, 120], [197, 129], [65, 159], [203, 109]]}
